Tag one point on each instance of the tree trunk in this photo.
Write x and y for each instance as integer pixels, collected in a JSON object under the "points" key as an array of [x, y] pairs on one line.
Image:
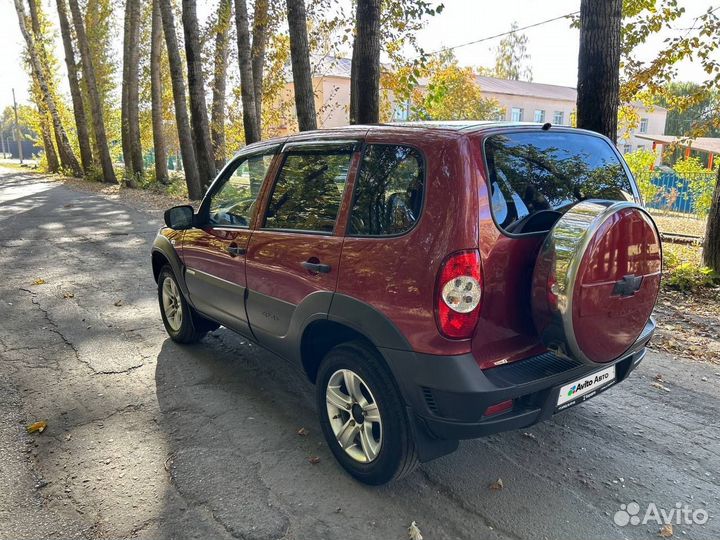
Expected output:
{"points": [[67, 157], [365, 69], [247, 86], [217, 122], [102, 150], [196, 89], [187, 149], [48, 145], [257, 54], [300, 56], [81, 127], [161, 158], [711, 249], [599, 66], [130, 113]]}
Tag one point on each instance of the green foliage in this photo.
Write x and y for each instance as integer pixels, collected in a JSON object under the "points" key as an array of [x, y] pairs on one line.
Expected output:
{"points": [[701, 184], [683, 270], [640, 163], [689, 105], [452, 93], [511, 56], [688, 277]]}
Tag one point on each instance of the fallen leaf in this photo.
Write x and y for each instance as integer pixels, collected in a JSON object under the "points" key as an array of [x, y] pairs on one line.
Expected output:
{"points": [[37, 426], [302, 432], [659, 377], [119, 303], [660, 386], [39, 281], [68, 295], [666, 531], [414, 532], [528, 435], [497, 485], [314, 460]]}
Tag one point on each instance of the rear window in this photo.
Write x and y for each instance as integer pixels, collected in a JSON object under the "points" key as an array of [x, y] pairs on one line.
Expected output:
{"points": [[535, 176]]}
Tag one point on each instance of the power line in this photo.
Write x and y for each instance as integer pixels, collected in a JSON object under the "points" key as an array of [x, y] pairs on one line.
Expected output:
{"points": [[506, 33]]}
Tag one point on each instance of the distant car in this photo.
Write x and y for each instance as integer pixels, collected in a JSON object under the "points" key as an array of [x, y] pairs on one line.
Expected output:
{"points": [[436, 281]]}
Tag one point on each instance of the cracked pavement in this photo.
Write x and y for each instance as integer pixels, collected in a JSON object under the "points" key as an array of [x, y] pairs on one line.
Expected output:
{"points": [[150, 439]]}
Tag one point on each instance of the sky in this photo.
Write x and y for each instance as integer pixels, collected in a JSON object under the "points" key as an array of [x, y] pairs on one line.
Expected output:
{"points": [[553, 47]]}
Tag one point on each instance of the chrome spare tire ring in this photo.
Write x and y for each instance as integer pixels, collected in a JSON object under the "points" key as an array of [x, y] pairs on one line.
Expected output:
{"points": [[354, 415]]}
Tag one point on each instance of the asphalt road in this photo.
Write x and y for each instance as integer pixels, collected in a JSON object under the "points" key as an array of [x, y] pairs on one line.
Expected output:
{"points": [[149, 439]]}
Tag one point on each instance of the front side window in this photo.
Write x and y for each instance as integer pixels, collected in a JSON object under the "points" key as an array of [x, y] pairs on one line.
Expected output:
{"points": [[539, 116], [547, 172], [643, 125], [516, 114], [234, 202], [559, 118], [308, 191], [388, 191]]}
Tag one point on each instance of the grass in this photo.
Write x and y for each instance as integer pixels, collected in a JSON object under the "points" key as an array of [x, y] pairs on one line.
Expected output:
{"points": [[676, 223]]}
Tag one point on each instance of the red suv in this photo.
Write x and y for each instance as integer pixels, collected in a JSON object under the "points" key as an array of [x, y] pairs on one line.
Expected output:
{"points": [[436, 281]]}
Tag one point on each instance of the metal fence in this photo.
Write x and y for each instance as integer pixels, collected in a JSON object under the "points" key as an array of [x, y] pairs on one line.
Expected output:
{"points": [[676, 193]]}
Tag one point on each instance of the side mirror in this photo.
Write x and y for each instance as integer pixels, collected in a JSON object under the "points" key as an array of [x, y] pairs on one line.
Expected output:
{"points": [[179, 218]]}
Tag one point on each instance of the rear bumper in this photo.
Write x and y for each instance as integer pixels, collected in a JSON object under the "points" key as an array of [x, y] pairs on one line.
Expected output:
{"points": [[448, 395]]}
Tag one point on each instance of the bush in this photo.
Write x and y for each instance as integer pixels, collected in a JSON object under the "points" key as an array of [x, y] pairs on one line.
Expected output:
{"points": [[688, 277], [683, 269], [640, 163], [700, 180]]}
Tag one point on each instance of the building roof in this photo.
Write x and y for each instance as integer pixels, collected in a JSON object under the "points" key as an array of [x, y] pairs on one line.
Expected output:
{"points": [[525, 88], [330, 66], [704, 144]]}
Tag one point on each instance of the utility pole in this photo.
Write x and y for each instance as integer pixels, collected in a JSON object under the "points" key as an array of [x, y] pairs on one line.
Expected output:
{"points": [[17, 129]]}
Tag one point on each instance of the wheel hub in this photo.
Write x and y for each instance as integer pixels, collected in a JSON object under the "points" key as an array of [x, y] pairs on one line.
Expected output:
{"points": [[357, 413], [354, 415]]}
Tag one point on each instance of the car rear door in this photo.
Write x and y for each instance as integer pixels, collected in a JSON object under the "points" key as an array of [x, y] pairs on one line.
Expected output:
{"points": [[294, 254], [214, 253]]}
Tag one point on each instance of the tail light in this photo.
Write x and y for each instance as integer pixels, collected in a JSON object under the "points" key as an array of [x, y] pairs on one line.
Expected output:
{"points": [[458, 294]]}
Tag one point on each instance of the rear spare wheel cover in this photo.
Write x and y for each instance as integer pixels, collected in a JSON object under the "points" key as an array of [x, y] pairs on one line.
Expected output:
{"points": [[596, 280]]}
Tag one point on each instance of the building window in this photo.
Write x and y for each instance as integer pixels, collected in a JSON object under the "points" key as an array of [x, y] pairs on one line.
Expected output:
{"points": [[539, 116], [559, 118], [627, 149], [643, 125], [516, 114], [641, 147]]}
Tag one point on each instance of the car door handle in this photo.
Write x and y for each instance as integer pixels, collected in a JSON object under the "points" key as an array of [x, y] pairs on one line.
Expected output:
{"points": [[316, 267], [234, 250]]}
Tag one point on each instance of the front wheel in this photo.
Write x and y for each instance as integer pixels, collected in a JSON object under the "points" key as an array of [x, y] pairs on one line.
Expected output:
{"points": [[182, 323], [363, 416]]}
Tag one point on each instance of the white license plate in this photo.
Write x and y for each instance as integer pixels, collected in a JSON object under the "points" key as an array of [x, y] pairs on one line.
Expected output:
{"points": [[585, 388]]}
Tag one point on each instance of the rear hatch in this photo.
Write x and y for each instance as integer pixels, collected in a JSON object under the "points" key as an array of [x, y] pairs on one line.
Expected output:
{"points": [[529, 179]]}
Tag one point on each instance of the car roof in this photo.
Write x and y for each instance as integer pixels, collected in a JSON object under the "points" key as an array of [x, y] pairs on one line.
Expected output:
{"points": [[447, 127]]}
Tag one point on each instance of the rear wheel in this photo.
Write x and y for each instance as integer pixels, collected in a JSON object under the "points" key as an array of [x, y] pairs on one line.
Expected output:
{"points": [[182, 323], [363, 416]]}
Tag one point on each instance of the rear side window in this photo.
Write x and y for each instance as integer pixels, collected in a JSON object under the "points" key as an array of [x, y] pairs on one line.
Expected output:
{"points": [[536, 172], [388, 191], [308, 191]]}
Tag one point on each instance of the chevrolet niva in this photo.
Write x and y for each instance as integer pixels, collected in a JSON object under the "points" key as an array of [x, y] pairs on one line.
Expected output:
{"points": [[435, 281]]}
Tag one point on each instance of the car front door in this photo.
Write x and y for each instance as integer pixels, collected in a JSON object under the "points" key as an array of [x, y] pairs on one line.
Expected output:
{"points": [[294, 254], [214, 252]]}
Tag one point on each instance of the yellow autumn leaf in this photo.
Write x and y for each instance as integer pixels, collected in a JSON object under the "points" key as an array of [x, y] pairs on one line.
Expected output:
{"points": [[37, 426], [666, 531], [414, 532], [39, 281]]}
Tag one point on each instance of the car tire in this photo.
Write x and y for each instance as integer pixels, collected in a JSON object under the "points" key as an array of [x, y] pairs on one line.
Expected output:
{"points": [[381, 450], [182, 323]]}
